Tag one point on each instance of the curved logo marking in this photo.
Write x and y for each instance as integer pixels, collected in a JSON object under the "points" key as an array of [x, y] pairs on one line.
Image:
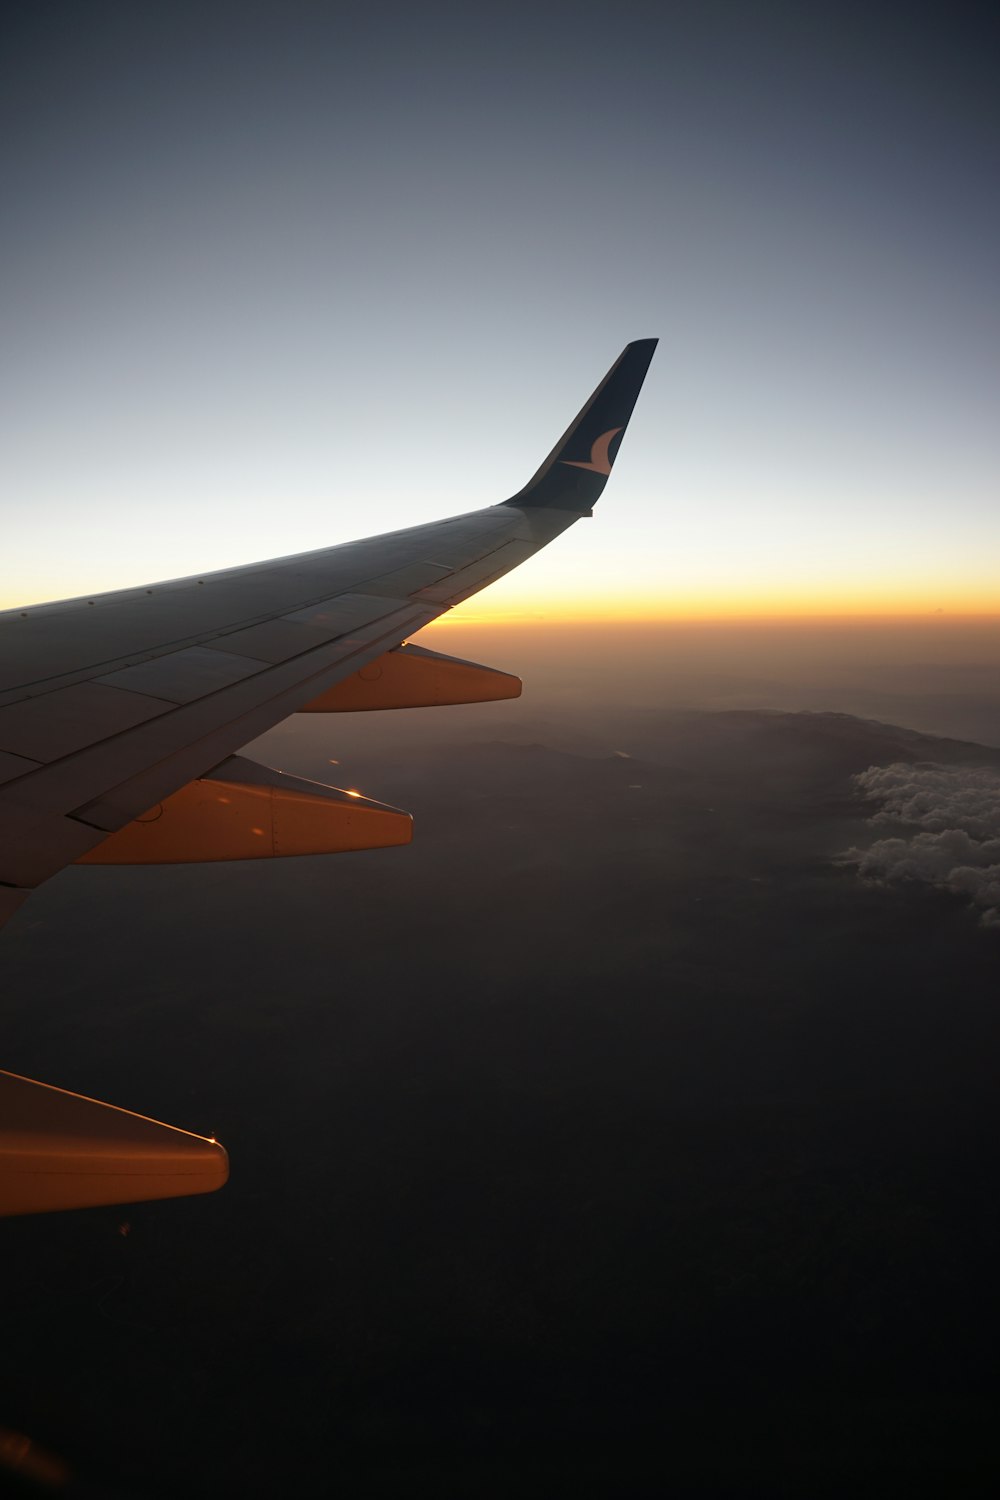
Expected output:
{"points": [[600, 459]]}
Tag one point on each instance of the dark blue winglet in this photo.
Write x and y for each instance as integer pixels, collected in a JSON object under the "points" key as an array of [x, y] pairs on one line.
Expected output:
{"points": [[577, 469]]}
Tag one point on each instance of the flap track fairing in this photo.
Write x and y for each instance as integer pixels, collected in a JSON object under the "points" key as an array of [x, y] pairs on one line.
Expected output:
{"points": [[243, 810], [413, 677], [61, 1150]]}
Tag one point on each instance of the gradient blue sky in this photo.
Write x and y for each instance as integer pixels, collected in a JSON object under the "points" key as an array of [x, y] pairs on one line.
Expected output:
{"points": [[279, 275]]}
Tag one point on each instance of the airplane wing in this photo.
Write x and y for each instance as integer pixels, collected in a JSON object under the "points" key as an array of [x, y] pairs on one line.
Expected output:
{"points": [[120, 714]]}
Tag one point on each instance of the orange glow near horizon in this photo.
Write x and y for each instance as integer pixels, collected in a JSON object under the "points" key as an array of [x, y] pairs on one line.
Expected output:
{"points": [[728, 609], [705, 609]]}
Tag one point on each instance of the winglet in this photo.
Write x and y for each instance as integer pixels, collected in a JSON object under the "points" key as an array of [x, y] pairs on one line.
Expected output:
{"points": [[577, 469]]}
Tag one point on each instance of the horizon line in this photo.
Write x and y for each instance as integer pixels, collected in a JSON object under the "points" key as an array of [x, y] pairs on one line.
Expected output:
{"points": [[539, 619]]}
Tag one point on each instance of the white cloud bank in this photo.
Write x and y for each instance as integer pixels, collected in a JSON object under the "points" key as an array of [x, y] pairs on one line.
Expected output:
{"points": [[956, 810]]}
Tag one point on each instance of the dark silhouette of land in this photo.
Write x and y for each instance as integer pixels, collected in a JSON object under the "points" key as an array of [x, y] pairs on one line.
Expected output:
{"points": [[611, 1137]]}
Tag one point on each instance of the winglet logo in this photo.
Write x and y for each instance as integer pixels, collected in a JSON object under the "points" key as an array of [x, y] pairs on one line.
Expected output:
{"points": [[600, 458]]}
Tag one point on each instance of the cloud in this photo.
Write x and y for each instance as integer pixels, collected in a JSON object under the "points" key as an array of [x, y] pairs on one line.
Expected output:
{"points": [[955, 811]]}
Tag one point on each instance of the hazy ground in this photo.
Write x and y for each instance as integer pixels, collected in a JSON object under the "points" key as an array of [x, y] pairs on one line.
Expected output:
{"points": [[610, 1136], [937, 673]]}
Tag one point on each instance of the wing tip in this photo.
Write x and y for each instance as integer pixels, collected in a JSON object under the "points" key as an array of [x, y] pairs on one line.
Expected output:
{"points": [[576, 471]]}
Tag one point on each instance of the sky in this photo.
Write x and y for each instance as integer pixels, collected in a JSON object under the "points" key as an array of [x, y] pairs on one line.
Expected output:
{"points": [[282, 275]]}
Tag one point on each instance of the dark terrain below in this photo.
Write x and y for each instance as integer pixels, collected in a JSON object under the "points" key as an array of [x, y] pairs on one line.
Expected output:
{"points": [[611, 1137]]}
